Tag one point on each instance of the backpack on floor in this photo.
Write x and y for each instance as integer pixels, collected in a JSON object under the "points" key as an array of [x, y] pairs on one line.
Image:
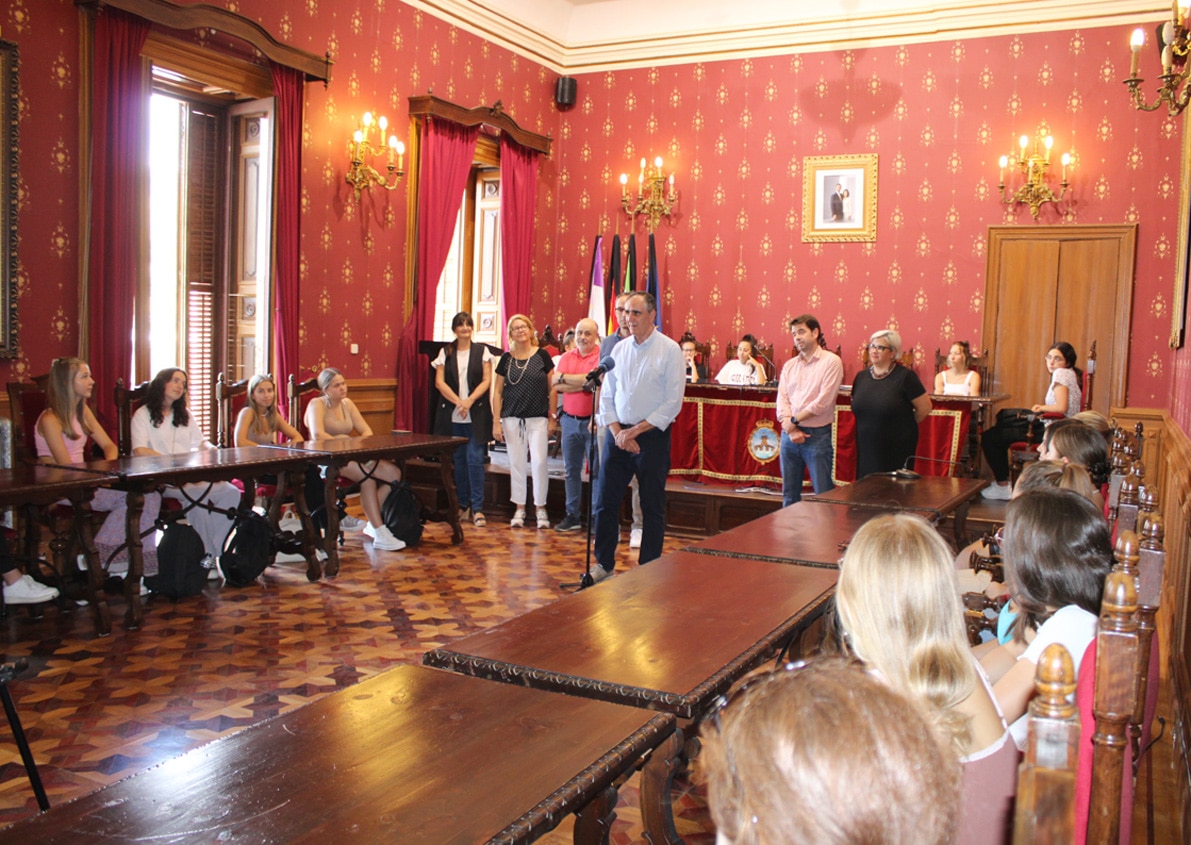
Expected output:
{"points": [[248, 550], [180, 570], [402, 513]]}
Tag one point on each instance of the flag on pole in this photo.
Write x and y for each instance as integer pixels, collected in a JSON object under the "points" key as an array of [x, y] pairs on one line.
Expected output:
{"points": [[613, 289], [652, 284], [630, 273], [595, 302]]}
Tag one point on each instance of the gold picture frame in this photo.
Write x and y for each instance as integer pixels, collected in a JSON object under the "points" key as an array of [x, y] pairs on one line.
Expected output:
{"points": [[839, 198], [9, 108]]}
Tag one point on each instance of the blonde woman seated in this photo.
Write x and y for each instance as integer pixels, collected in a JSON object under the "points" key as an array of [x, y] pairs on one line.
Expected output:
{"points": [[61, 434], [827, 754], [745, 368], [959, 379], [260, 423], [334, 417], [900, 612]]}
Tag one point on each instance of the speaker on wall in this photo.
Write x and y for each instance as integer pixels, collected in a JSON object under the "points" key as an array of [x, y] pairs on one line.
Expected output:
{"points": [[565, 91]]}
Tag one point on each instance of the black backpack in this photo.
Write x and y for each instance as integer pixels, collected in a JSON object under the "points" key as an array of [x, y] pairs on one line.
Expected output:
{"points": [[402, 513], [248, 550], [180, 570]]}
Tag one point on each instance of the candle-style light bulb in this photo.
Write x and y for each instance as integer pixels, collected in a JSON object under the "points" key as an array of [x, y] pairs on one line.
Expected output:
{"points": [[624, 179], [1066, 161], [1048, 142], [1136, 42], [357, 136], [1004, 163], [1023, 142], [392, 148], [367, 118], [383, 123], [657, 162], [400, 148]]}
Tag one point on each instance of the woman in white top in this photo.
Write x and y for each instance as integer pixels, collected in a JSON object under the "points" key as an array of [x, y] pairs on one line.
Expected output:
{"points": [[745, 368], [333, 417], [1057, 553], [900, 612], [162, 426], [959, 379]]}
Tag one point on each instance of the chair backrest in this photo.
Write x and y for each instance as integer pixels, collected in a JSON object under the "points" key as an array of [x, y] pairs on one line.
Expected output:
{"points": [[230, 397], [298, 396], [979, 363], [128, 400], [1089, 380], [27, 400], [549, 342]]}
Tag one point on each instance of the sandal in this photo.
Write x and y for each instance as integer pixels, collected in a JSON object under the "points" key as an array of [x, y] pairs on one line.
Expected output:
{"points": [[480, 521], [518, 520]]}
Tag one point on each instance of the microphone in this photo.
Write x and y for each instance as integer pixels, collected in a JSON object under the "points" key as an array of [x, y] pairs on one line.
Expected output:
{"points": [[772, 366], [606, 366], [907, 474]]}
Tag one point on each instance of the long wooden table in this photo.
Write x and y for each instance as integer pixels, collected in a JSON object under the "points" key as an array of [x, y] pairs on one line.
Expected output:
{"points": [[670, 636], [412, 756], [41, 484], [805, 533], [138, 475], [940, 495], [398, 447]]}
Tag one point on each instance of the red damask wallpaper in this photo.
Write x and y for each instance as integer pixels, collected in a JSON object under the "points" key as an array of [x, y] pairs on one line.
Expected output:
{"points": [[938, 115]]}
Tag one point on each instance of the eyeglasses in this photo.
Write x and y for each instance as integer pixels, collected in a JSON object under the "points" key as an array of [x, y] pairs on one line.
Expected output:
{"points": [[876, 346]]}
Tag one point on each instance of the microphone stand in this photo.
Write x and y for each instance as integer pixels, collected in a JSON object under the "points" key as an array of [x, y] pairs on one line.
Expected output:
{"points": [[593, 466]]}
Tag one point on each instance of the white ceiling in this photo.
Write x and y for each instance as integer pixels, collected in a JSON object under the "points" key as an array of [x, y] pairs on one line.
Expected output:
{"points": [[576, 36]]}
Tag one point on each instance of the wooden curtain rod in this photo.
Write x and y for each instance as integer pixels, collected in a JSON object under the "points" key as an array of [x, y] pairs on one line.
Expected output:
{"points": [[202, 16], [427, 105]]}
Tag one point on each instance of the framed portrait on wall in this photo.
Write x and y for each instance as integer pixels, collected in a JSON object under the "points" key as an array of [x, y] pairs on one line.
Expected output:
{"points": [[839, 198]]}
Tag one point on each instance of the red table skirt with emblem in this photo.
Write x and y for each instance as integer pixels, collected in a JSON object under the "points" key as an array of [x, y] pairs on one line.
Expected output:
{"points": [[729, 435]]}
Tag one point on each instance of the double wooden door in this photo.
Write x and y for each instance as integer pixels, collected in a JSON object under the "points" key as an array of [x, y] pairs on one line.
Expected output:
{"points": [[1050, 283]]}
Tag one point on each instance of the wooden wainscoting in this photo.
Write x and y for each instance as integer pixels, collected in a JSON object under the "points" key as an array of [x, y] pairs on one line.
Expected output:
{"points": [[1167, 457], [377, 400]]}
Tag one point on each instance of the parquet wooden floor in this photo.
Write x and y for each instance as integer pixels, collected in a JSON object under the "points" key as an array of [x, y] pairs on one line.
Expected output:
{"points": [[97, 710]]}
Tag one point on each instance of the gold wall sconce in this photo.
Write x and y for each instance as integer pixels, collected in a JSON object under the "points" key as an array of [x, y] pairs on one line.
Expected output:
{"points": [[1173, 44], [652, 199], [363, 150], [1034, 165]]}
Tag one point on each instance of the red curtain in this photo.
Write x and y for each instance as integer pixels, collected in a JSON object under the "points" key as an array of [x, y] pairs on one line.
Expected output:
{"points": [[289, 88], [119, 172], [518, 195], [446, 156]]}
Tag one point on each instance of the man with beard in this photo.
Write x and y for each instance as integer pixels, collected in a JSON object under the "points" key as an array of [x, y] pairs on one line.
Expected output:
{"points": [[806, 396]]}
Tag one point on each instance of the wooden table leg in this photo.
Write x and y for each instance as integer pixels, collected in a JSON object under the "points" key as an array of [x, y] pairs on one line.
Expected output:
{"points": [[136, 560], [657, 783], [961, 524], [100, 612], [309, 532], [593, 823], [331, 504], [446, 466]]}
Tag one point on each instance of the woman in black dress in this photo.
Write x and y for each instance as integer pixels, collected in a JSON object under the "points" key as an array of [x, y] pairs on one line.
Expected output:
{"points": [[888, 401]]}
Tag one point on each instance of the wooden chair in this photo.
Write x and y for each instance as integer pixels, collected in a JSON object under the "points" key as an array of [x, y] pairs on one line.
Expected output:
{"points": [[702, 353], [298, 395], [979, 363], [230, 399], [128, 401], [26, 402]]}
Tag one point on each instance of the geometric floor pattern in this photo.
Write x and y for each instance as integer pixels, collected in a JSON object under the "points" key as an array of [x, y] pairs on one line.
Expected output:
{"points": [[96, 710]]}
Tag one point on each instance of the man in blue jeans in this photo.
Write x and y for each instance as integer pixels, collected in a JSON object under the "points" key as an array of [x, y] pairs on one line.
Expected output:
{"points": [[806, 396], [641, 398], [571, 405]]}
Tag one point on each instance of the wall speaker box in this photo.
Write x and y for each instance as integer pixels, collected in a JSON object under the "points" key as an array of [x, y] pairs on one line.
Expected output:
{"points": [[565, 91]]}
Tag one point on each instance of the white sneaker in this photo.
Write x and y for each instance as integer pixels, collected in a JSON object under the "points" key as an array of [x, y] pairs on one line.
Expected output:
{"points": [[290, 523], [383, 539], [349, 523], [27, 591], [211, 564], [1000, 492], [635, 538]]}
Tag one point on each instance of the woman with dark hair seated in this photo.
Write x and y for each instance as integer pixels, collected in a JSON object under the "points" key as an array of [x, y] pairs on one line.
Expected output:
{"points": [[1056, 553], [746, 367], [827, 754]]}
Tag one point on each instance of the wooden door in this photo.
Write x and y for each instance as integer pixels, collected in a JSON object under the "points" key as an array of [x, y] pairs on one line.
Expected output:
{"points": [[1051, 283]]}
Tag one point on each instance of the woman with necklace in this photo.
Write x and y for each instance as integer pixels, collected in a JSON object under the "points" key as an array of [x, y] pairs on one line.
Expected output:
{"points": [[163, 426], [888, 401], [521, 415], [334, 417]]}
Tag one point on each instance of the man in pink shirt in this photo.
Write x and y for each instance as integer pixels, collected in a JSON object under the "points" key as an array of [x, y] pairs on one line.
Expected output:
{"points": [[571, 386], [806, 396]]}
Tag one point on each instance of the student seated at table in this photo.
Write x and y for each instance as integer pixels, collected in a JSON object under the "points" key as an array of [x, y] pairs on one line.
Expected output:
{"points": [[746, 367], [1056, 555], [827, 754], [900, 612], [959, 379], [333, 417], [162, 426], [696, 369], [61, 436], [260, 422]]}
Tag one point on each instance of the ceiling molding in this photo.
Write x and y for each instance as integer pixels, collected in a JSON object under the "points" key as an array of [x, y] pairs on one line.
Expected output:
{"points": [[616, 45]]}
